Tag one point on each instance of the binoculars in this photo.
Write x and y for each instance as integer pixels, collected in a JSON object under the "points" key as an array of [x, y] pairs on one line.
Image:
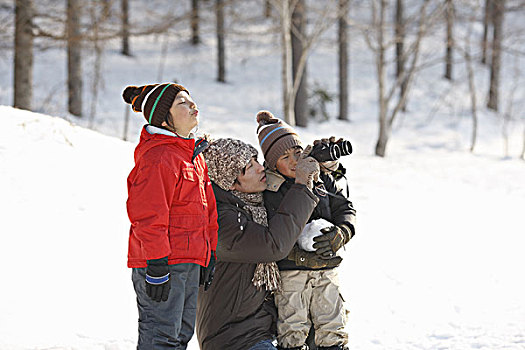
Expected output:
{"points": [[323, 152]]}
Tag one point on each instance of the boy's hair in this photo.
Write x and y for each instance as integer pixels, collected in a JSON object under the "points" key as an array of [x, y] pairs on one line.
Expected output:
{"points": [[275, 137]]}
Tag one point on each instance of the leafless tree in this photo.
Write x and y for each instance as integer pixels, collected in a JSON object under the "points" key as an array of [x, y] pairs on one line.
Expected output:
{"points": [[379, 47], [487, 16], [221, 55], [342, 38], [522, 156], [449, 16], [267, 8], [298, 32], [23, 57], [74, 58], [471, 83], [195, 37], [400, 44], [325, 17], [125, 27], [495, 67]]}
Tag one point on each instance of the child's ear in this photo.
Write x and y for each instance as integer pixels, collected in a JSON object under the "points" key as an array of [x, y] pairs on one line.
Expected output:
{"points": [[164, 124]]}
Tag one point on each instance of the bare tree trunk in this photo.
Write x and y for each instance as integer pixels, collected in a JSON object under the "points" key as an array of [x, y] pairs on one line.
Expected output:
{"points": [[267, 8], [23, 57], [195, 38], [522, 156], [126, 123], [97, 67], [125, 27], [400, 43], [343, 60], [495, 67], [449, 15], [384, 131], [472, 89], [221, 73], [74, 58], [286, 53], [297, 37], [486, 22]]}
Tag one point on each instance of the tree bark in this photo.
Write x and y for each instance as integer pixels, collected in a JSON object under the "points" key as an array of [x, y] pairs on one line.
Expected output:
{"points": [[74, 58], [449, 14], [267, 8], [195, 38], [221, 57], [472, 90], [486, 22], [495, 67], [125, 27], [400, 44], [343, 60], [297, 38], [522, 156], [380, 62], [286, 53], [23, 56]]}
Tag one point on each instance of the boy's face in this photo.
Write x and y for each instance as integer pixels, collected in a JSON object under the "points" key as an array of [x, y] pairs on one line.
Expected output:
{"points": [[252, 179], [184, 113], [287, 162]]}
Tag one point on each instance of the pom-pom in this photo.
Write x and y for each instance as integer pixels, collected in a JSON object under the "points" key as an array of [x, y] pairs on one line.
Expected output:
{"points": [[266, 117], [129, 93]]}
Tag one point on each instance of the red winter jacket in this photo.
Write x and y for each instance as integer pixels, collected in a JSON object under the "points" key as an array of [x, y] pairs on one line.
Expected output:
{"points": [[170, 204]]}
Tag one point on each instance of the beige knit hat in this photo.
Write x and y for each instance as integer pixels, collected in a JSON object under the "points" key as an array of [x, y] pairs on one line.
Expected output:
{"points": [[225, 159], [275, 137]]}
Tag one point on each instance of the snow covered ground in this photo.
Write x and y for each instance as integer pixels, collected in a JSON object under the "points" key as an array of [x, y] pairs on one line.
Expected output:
{"points": [[437, 262]]}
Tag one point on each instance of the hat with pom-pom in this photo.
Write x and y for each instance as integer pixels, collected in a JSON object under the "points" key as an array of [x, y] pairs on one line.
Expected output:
{"points": [[225, 159], [275, 137], [154, 101]]}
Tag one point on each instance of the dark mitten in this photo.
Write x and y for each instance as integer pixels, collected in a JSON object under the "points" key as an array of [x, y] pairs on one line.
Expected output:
{"points": [[332, 239], [312, 260], [207, 273], [158, 279]]}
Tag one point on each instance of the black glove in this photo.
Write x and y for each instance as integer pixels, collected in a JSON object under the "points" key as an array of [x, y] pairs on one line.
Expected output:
{"points": [[332, 239], [207, 273], [311, 259], [158, 279]]}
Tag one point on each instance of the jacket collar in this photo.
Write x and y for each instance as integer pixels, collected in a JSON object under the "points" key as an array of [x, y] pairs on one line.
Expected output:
{"points": [[274, 180], [152, 129]]}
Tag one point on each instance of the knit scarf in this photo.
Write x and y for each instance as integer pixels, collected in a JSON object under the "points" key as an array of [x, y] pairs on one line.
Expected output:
{"points": [[266, 274]]}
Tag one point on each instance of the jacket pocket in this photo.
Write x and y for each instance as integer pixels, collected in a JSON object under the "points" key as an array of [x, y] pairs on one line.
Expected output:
{"points": [[190, 186], [179, 240]]}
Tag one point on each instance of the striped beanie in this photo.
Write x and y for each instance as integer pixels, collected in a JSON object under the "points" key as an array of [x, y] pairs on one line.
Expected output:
{"points": [[225, 159], [275, 137], [154, 101]]}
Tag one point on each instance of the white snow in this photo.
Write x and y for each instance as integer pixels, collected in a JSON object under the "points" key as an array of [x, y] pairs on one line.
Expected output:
{"points": [[438, 259]]}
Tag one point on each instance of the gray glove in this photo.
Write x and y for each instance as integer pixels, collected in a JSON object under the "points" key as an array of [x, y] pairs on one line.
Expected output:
{"points": [[307, 169]]}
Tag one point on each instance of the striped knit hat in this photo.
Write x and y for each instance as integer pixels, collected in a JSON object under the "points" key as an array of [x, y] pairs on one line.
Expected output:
{"points": [[225, 159], [275, 137], [154, 101]]}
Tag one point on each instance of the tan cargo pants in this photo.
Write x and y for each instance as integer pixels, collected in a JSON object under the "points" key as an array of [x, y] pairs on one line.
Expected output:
{"points": [[310, 297]]}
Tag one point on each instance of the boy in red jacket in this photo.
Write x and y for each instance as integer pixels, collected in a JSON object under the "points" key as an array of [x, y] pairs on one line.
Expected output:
{"points": [[173, 216]]}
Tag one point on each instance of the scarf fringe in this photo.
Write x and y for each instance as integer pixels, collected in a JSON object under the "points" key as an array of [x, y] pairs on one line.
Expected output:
{"points": [[267, 274]]}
